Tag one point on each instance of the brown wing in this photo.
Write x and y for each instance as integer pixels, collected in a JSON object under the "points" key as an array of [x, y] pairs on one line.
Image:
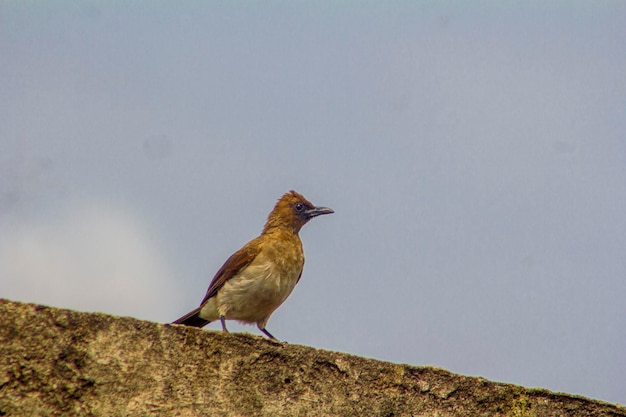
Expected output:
{"points": [[237, 261], [300, 276]]}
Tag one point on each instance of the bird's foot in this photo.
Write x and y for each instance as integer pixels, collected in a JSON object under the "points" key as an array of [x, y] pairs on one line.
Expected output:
{"points": [[223, 321]]}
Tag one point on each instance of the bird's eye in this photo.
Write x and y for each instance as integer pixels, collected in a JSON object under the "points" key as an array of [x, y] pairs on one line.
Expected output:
{"points": [[299, 207]]}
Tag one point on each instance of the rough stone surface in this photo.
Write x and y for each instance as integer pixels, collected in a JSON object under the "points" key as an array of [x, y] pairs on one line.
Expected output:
{"points": [[56, 362]]}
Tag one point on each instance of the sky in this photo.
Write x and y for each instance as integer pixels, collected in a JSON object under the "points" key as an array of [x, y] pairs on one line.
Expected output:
{"points": [[474, 154]]}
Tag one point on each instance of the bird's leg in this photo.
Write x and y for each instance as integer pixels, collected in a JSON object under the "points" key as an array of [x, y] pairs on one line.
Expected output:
{"points": [[268, 334], [223, 321]]}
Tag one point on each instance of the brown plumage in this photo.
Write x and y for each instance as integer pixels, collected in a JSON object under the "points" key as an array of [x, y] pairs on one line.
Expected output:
{"points": [[257, 278]]}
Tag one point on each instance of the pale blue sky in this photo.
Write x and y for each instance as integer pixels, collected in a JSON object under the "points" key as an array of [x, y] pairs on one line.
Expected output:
{"points": [[474, 154]]}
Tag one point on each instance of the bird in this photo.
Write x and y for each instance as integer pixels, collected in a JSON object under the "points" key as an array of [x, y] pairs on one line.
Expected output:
{"points": [[258, 278]]}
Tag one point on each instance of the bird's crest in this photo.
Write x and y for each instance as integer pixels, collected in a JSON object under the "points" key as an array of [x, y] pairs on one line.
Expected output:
{"points": [[285, 213]]}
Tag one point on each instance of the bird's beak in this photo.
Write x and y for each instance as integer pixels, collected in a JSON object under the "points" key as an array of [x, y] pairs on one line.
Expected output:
{"points": [[318, 211]]}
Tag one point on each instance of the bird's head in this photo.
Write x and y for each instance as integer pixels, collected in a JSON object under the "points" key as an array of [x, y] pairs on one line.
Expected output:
{"points": [[292, 211]]}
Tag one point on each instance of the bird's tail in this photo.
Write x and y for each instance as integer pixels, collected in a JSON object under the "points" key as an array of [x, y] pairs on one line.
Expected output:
{"points": [[192, 319]]}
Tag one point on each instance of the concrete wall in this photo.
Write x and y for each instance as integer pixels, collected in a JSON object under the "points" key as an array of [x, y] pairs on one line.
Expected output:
{"points": [[56, 362]]}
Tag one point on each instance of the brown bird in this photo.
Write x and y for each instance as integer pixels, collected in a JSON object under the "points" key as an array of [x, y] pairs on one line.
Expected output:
{"points": [[257, 278]]}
